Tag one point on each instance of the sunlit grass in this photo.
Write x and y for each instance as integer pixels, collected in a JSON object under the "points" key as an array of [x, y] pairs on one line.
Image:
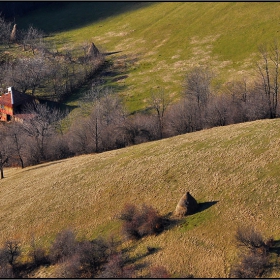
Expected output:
{"points": [[219, 165], [160, 42]]}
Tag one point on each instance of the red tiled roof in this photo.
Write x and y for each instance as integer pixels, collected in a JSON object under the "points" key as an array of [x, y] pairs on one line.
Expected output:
{"points": [[15, 98], [6, 99]]}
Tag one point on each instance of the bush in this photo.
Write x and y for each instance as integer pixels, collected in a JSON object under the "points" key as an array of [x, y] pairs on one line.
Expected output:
{"points": [[70, 268], [251, 266], [140, 222], [93, 255], [39, 256], [117, 267], [250, 238], [6, 271], [159, 271], [63, 247]]}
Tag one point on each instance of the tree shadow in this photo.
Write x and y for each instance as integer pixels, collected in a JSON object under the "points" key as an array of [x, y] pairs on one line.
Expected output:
{"points": [[275, 247], [42, 165], [114, 72], [149, 251]]}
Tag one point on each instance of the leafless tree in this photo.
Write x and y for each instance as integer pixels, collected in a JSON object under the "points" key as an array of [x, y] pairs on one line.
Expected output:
{"points": [[198, 85], [269, 73], [12, 248], [141, 128], [17, 138], [40, 127], [32, 39], [5, 149], [27, 73], [159, 101]]}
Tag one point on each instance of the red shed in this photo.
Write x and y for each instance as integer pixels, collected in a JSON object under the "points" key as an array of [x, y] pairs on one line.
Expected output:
{"points": [[12, 104]]}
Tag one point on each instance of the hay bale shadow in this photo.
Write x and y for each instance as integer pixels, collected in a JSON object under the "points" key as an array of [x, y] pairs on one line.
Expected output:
{"points": [[205, 205]]}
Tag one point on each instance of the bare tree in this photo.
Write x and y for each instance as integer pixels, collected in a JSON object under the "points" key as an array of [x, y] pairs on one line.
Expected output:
{"points": [[159, 101], [198, 86], [12, 248], [27, 73], [40, 127], [5, 150], [183, 117], [17, 138], [269, 73], [32, 39]]}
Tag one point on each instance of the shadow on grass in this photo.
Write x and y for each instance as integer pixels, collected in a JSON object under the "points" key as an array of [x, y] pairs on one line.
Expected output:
{"points": [[169, 222], [275, 248], [205, 205], [132, 260], [43, 164], [66, 16]]}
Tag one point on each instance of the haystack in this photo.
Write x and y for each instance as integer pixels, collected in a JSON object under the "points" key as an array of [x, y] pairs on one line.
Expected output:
{"points": [[186, 206], [92, 51]]}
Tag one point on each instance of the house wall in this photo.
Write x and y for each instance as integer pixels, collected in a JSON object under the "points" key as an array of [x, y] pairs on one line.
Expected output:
{"points": [[4, 112]]}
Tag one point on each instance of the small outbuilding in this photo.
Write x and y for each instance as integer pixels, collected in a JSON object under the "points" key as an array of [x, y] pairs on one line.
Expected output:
{"points": [[12, 104]]}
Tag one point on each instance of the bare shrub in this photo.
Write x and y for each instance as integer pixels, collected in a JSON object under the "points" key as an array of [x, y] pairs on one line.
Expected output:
{"points": [[39, 256], [151, 222], [117, 267], [63, 247], [250, 238], [70, 268], [93, 255], [159, 271], [251, 266], [140, 222], [4, 258], [6, 271]]}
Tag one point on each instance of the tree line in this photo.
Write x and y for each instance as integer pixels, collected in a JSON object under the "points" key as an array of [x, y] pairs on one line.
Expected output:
{"points": [[108, 124], [41, 65]]}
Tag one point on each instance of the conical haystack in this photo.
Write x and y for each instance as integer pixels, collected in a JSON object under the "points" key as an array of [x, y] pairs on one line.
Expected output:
{"points": [[92, 51], [186, 206]]}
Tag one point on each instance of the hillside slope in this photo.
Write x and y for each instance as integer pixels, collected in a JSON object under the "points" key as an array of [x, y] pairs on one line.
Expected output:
{"points": [[235, 169], [155, 44]]}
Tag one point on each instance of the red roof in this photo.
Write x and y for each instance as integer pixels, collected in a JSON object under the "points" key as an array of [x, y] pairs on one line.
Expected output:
{"points": [[14, 98]]}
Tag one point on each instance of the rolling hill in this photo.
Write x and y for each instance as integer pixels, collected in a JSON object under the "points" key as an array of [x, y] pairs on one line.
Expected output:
{"points": [[233, 169], [155, 44]]}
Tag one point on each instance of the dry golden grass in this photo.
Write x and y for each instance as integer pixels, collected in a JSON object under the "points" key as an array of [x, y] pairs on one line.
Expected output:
{"points": [[237, 166]]}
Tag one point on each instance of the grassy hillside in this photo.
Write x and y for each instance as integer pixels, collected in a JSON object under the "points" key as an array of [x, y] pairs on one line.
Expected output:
{"points": [[236, 168], [157, 43]]}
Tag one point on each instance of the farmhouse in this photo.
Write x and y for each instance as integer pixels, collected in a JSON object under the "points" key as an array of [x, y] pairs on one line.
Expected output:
{"points": [[12, 105]]}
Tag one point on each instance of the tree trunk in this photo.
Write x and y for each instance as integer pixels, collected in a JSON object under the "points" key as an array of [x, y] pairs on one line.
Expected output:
{"points": [[2, 172]]}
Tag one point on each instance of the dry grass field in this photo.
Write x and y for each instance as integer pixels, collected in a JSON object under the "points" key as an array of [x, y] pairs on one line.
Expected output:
{"points": [[235, 167]]}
